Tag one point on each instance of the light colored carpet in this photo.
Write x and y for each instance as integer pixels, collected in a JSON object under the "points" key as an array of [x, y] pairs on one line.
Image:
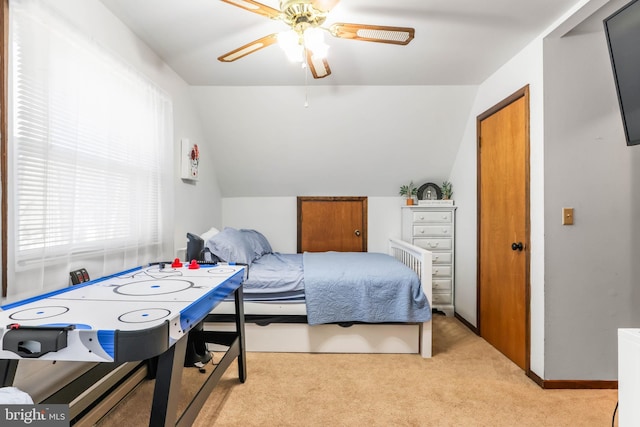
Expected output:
{"points": [[466, 383]]}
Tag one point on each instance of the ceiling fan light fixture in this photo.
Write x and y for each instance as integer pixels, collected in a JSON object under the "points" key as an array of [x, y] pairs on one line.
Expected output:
{"points": [[289, 42], [301, 14], [324, 5], [304, 43], [314, 41]]}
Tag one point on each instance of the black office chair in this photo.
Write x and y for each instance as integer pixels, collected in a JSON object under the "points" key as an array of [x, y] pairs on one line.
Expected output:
{"points": [[197, 354]]}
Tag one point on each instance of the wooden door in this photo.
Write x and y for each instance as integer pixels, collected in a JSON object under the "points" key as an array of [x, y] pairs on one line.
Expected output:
{"points": [[332, 224], [503, 222]]}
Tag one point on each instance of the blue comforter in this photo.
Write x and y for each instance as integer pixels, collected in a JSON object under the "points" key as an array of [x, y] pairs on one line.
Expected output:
{"points": [[361, 287], [275, 273]]}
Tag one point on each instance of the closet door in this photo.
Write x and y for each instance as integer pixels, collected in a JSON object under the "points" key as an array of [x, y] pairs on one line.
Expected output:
{"points": [[332, 224], [503, 224]]}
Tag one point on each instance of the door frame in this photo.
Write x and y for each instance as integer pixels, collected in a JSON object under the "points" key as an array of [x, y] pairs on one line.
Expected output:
{"points": [[363, 200], [523, 92], [4, 131]]}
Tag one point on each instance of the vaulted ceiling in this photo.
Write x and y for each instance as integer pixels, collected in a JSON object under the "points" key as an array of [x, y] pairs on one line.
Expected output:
{"points": [[386, 115], [457, 41]]}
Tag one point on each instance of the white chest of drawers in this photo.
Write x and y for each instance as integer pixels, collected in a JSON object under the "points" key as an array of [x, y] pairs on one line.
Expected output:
{"points": [[433, 228]]}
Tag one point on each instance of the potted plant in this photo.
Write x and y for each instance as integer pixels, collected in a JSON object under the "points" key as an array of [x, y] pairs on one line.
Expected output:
{"points": [[409, 191], [447, 190]]}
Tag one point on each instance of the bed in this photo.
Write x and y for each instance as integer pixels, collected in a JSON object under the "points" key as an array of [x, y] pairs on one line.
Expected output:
{"points": [[330, 302]]}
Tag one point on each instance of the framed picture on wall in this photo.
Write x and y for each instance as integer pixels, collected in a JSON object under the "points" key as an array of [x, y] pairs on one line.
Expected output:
{"points": [[190, 155]]}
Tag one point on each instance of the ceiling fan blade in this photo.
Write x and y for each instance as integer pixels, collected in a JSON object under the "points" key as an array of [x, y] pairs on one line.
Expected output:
{"points": [[255, 7], [324, 5], [373, 33], [249, 48], [319, 67]]}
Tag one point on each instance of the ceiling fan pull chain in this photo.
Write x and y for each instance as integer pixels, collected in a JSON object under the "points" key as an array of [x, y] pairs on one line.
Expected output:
{"points": [[305, 68]]}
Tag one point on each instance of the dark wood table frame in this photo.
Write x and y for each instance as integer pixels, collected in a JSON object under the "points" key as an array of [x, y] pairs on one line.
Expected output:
{"points": [[170, 365]]}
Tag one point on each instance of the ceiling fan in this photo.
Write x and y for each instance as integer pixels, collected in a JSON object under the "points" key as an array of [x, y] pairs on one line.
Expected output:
{"points": [[305, 38]]}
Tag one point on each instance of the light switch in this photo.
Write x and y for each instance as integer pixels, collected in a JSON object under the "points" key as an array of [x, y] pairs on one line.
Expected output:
{"points": [[567, 216]]}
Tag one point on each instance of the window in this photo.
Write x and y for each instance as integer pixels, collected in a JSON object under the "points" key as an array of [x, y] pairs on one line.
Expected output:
{"points": [[90, 151]]}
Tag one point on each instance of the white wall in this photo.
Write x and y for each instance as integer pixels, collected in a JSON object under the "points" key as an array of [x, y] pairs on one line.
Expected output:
{"points": [[592, 269], [351, 141], [524, 69], [276, 218], [354, 140]]}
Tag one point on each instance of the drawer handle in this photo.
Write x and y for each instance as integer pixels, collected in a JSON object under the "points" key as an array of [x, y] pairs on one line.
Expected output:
{"points": [[436, 257], [421, 231], [431, 245], [421, 217]]}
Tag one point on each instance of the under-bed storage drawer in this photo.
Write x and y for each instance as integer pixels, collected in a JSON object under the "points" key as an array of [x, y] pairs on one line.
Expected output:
{"points": [[302, 338]]}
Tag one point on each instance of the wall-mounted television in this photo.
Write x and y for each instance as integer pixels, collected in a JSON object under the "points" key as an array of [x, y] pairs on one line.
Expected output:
{"points": [[622, 30]]}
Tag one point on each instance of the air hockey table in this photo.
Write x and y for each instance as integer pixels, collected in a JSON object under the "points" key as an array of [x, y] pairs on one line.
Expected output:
{"points": [[138, 314]]}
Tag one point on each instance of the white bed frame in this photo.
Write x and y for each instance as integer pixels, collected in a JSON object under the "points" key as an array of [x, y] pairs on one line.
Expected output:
{"points": [[357, 338]]}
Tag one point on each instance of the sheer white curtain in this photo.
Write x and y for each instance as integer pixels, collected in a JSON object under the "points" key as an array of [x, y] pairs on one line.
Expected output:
{"points": [[90, 156]]}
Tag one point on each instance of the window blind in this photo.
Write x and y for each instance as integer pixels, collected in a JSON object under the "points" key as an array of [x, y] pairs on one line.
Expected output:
{"points": [[90, 144]]}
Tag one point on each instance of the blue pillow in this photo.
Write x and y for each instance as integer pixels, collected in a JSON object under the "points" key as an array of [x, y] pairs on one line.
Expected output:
{"points": [[258, 242], [231, 245]]}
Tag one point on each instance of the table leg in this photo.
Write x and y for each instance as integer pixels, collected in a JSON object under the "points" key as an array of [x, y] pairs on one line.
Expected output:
{"points": [[8, 369], [242, 361], [167, 388]]}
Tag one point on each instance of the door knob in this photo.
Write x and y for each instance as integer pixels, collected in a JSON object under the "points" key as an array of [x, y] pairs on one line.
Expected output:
{"points": [[357, 233], [517, 246]]}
